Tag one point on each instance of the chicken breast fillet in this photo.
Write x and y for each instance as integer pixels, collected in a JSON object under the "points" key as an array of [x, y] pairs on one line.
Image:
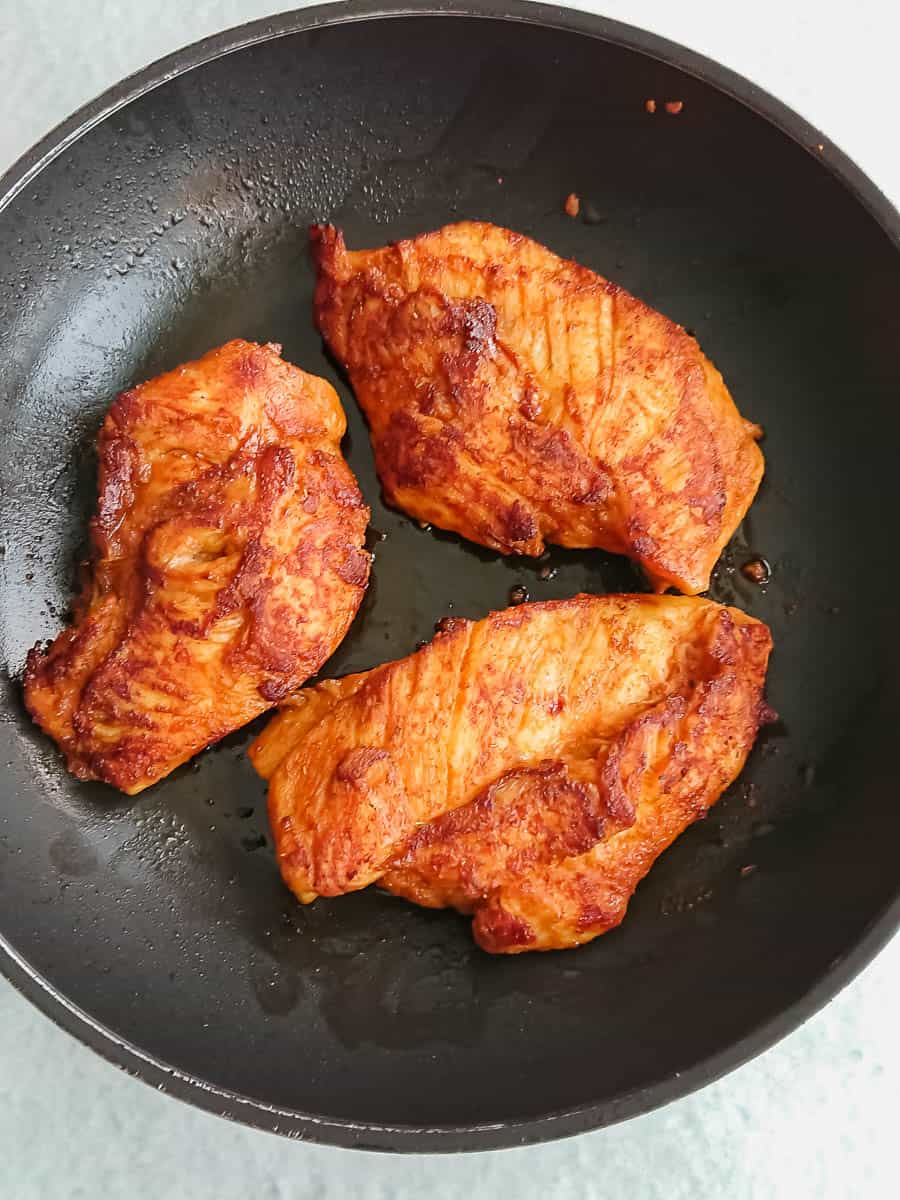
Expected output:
{"points": [[527, 769], [227, 565], [518, 399]]}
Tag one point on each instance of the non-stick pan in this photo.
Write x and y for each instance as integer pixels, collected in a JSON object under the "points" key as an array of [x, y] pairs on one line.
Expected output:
{"points": [[171, 215]]}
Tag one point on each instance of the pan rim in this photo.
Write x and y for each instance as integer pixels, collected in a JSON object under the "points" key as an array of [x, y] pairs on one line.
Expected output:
{"points": [[456, 1137]]}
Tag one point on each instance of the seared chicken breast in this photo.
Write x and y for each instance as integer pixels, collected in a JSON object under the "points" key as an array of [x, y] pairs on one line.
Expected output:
{"points": [[527, 768], [227, 564], [517, 399]]}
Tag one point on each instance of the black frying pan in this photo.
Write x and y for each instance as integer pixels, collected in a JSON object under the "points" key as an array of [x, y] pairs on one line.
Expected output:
{"points": [[171, 215]]}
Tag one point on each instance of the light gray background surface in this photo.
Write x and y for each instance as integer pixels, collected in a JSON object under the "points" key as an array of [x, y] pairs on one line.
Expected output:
{"points": [[814, 1117]]}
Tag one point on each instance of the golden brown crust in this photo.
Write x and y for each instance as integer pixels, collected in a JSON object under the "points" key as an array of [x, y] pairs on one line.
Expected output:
{"points": [[227, 565], [527, 768], [517, 398], [656, 776]]}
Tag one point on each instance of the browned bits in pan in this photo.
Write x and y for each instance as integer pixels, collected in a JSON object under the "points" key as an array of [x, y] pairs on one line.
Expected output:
{"points": [[674, 107], [572, 205]]}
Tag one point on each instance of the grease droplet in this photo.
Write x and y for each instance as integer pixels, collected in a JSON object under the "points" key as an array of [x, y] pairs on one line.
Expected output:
{"points": [[275, 988], [757, 570]]}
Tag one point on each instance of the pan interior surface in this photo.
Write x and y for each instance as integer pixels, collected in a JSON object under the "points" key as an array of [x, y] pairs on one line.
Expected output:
{"points": [[179, 222]]}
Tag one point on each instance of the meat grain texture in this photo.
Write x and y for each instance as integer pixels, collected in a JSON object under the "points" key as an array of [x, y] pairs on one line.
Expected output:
{"points": [[526, 769], [227, 565], [517, 399]]}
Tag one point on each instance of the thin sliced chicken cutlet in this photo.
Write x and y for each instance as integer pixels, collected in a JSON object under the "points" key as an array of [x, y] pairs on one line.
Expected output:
{"points": [[227, 565], [517, 398], [527, 768]]}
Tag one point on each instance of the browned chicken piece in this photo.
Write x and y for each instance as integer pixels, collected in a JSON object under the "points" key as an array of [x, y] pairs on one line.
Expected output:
{"points": [[227, 565], [527, 769], [518, 399]]}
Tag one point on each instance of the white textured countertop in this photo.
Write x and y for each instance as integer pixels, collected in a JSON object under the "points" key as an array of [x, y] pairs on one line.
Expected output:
{"points": [[815, 1116]]}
